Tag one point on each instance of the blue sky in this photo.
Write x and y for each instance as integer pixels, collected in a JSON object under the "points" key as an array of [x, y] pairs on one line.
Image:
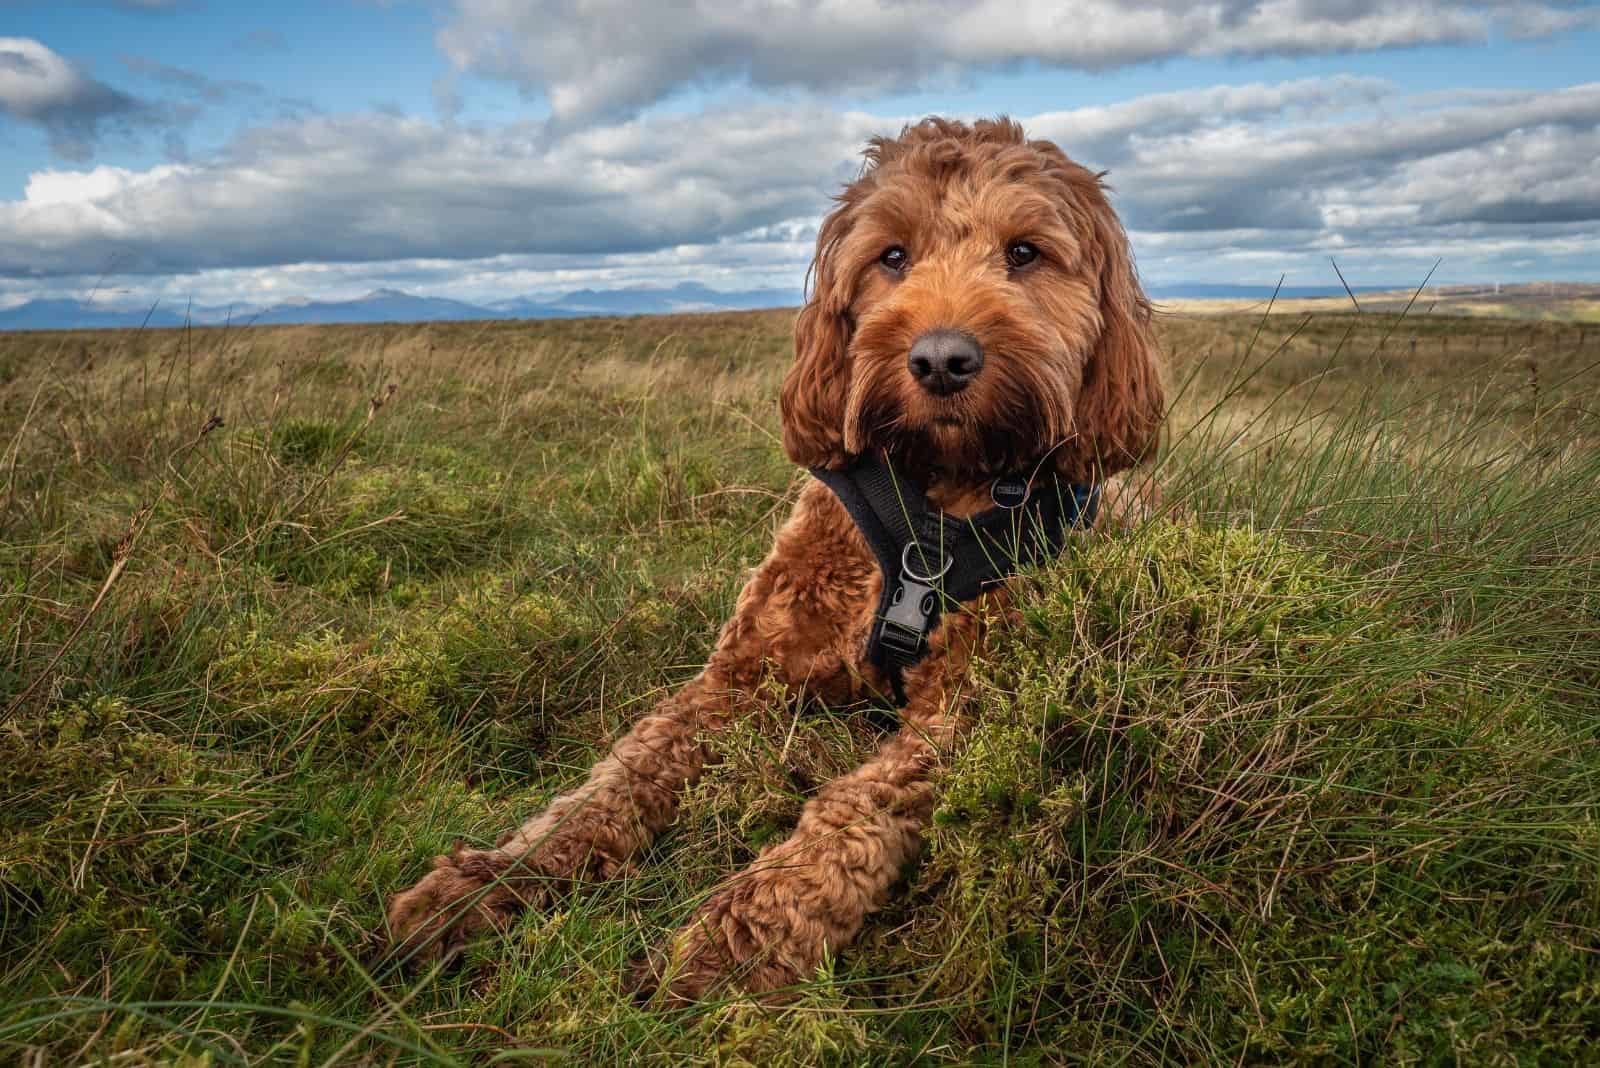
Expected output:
{"points": [[482, 149]]}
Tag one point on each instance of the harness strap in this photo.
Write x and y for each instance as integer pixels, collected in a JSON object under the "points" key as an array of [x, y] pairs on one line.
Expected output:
{"points": [[930, 559]]}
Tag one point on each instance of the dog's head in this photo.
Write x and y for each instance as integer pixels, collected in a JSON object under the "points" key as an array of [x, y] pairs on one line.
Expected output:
{"points": [[973, 308]]}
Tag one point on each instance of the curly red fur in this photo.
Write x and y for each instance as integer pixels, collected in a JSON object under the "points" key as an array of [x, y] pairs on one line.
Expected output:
{"points": [[1070, 378]]}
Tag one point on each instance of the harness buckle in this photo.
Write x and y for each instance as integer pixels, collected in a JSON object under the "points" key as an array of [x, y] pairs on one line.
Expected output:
{"points": [[912, 607], [904, 635]]}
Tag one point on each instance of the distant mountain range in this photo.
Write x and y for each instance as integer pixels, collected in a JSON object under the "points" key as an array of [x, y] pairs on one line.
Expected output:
{"points": [[395, 306]]}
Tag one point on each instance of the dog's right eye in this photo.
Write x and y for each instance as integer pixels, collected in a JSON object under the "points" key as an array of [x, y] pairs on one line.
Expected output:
{"points": [[1020, 254], [895, 258]]}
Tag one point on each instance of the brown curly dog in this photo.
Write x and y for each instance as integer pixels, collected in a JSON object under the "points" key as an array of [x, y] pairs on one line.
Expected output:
{"points": [[981, 235]]}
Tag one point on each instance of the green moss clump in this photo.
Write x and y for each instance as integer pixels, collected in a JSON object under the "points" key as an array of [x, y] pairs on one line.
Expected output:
{"points": [[817, 1029], [303, 442]]}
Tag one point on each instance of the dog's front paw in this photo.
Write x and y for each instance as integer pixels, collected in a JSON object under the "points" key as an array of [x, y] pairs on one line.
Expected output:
{"points": [[751, 937], [466, 894]]}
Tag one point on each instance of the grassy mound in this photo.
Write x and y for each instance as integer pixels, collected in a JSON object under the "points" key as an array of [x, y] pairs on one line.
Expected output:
{"points": [[1223, 803]]}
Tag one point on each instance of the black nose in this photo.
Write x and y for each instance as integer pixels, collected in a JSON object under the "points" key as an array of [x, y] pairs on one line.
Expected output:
{"points": [[944, 361]]}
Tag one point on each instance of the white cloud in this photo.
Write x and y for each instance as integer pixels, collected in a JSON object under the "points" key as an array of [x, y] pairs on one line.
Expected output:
{"points": [[611, 57], [379, 187], [1374, 168], [1231, 179]]}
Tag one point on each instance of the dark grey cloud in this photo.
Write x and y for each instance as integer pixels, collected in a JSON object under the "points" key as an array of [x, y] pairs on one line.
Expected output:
{"points": [[44, 89], [1523, 210], [594, 58], [38, 86]]}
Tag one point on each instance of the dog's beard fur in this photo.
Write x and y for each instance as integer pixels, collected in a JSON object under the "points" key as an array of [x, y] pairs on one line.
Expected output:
{"points": [[1013, 413]]}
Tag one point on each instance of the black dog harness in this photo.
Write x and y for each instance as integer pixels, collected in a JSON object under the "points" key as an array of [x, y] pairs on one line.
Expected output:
{"points": [[929, 558]]}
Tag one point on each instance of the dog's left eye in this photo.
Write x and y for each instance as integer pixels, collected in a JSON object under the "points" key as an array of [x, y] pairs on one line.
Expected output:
{"points": [[1020, 254]]}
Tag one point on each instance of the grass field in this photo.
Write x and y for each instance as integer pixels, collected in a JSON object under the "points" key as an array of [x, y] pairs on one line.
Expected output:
{"points": [[1573, 302], [1308, 770]]}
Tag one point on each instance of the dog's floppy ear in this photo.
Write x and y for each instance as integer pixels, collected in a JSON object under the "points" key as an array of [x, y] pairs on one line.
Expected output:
{"points": [[1120, 403], [812, 402]]}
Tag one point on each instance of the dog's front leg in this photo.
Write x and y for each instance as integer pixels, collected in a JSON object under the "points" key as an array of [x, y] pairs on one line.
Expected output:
{"points": [[592, 832], [768, 927]]}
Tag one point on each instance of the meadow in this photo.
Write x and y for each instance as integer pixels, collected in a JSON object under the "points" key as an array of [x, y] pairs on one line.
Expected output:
{"points": [[1305, 769]]}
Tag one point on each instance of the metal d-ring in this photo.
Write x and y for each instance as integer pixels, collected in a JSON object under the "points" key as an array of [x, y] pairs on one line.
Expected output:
{"points": [[905, 565]]}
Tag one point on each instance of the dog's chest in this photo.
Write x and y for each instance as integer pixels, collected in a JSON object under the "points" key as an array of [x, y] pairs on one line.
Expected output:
{"points": [[822, 591]]}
